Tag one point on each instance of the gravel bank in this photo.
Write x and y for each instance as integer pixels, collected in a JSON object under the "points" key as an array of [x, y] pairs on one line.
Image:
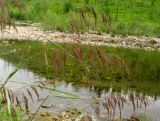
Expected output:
{"points": [[38, 34]]}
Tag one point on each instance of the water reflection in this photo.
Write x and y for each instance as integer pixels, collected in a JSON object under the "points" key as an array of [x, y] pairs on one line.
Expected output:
{"points": [[23, 75], [58, 104]]}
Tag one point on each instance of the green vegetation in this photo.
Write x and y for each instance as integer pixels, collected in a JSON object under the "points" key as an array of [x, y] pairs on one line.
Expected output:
{"points": [[54, 61], [94, 67], [137, 17], [17, 114], [126, 72]]}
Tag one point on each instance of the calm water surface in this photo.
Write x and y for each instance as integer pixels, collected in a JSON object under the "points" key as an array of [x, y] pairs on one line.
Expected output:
{"points": [[58, 104]]}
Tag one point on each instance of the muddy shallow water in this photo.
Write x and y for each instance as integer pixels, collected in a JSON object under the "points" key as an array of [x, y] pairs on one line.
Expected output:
{"points": [[58, 104]]}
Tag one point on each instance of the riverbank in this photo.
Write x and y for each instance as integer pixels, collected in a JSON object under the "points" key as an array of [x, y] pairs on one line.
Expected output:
{"points": [[39, 34]]}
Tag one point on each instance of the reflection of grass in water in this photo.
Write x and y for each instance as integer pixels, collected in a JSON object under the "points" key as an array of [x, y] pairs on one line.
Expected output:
{"points": [[104, 61], [9, 99], [66, 68], [144, 66]]}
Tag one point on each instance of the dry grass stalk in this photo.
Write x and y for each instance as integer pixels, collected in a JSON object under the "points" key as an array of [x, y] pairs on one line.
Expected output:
{"points": [[46, 59], [19, 5], [65, 58], [90, 53], [117, 100], [9, 95], [101, 56], [18, 103], [74, 25], [26, 103], [95, 15], [97, 110], [97, 74], [34, 90], [118, 61], [78, 54], [30, 94], [105, 60], [46, 64], [83, 16], [137, 100], [132, 100], [106, 21], [3, 22], [57, 63], [5, 8], [86, 118]]}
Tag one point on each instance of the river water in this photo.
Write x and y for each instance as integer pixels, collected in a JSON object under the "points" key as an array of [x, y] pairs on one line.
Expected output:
{"points": [[58, 104]]}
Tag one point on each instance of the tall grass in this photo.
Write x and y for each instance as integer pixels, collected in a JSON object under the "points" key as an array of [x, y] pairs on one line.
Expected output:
{"points": [[5, 9], [54, 13]]}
